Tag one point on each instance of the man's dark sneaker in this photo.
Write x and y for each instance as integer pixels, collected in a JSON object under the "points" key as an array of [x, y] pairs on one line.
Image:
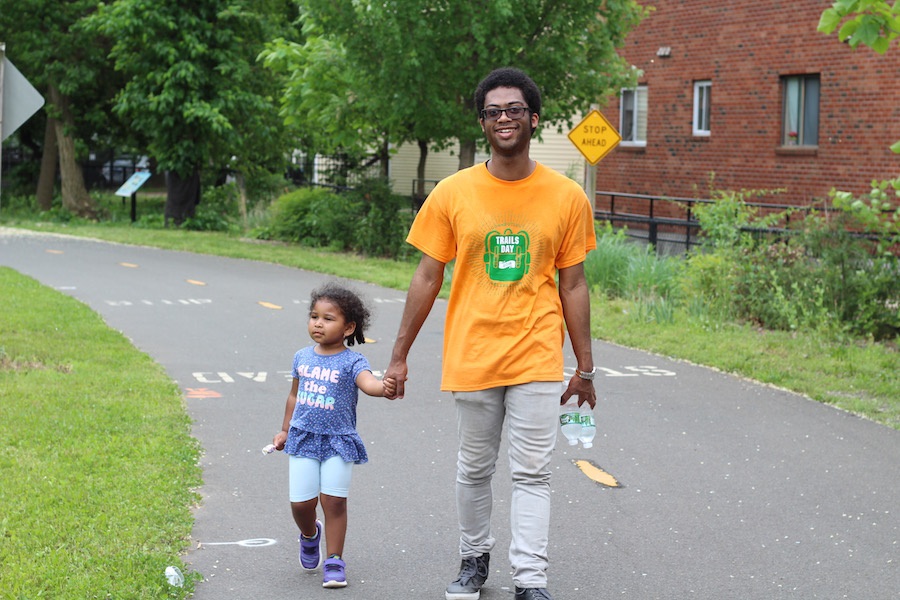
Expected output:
{"points": [[310, 557], [532, 594], [473, 572]]}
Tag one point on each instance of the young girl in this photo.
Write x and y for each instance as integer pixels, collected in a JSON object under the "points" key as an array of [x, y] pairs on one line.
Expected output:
{"points": [[319, 427]]}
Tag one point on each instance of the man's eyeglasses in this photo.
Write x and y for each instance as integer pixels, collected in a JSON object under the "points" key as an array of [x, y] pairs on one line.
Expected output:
{"points": [[513, 112]]}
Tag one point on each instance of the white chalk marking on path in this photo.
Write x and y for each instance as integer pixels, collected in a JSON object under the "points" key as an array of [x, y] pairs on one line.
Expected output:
{"points": [[251, 543]]}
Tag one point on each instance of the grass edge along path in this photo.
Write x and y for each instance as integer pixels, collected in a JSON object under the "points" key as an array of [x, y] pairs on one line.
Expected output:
{"points": [[394, 274], [98, 467], [860, 377]]}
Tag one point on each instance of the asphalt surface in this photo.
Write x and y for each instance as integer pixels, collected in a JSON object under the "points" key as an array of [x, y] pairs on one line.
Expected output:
{"points": [[727, 489]]}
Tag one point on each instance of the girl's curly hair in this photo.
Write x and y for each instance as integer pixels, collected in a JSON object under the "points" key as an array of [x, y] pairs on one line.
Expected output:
{"points": [[354, 309]]}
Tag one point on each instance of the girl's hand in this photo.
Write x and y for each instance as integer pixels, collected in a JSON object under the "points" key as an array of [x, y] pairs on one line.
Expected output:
{"points": [[396, 372], [279, 440], [390, 388]]}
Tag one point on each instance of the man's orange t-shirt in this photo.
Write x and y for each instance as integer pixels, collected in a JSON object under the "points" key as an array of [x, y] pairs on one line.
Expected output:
{"points": [[504, 323]]}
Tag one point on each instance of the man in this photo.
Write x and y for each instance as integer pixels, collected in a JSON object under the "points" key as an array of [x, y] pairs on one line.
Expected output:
{"points": [[512, 225]]}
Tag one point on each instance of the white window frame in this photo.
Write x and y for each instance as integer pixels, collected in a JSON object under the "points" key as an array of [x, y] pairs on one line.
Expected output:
{"points": [[633, 101], [702, 107]]}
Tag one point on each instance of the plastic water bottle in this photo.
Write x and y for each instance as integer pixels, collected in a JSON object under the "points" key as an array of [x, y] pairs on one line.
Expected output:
{"points": [[570, 420], [588, 426], [174, 576]]}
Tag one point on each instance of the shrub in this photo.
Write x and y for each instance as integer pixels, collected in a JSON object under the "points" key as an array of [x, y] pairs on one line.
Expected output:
{"points": [[384, 220], [779, 288], [851, 247], [369, 219], [708, 281], [833, 272], [330, 220], [217, 210], [722, 220], [288, 215]]}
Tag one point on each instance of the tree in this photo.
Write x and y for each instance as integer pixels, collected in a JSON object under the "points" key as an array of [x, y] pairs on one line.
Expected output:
{"points": [[318, 100], [344, 82], [194, 91], [406, 70], [873, 23], [67, 63]]}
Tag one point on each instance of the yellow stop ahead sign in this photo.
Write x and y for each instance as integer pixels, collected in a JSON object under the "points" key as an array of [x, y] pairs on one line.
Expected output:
{"points": [[594, 137]]}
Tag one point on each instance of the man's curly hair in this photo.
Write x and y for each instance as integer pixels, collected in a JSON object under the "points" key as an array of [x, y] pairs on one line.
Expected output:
{"points": [[512, 78]]}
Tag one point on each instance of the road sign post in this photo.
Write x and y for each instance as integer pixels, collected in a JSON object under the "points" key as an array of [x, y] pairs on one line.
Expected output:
{"points": [[594, 137]]}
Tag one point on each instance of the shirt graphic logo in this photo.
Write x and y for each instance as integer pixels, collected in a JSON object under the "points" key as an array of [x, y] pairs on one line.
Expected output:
{"points": [[506, 255]]}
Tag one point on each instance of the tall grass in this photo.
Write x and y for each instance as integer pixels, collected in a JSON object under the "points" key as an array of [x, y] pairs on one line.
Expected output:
{"points": [[686, 307], [619, 268]]}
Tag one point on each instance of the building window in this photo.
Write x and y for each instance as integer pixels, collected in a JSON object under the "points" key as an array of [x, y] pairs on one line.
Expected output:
{"points": [[702, 91], [800, 122], [633, 116]]}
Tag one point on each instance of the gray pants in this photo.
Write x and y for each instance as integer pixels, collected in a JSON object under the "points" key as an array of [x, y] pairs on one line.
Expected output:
{"points": [[531, 412]]}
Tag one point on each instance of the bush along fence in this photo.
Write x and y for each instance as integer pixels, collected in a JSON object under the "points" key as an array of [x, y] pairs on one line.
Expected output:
{"points": [[670, 224], [784, 267]]}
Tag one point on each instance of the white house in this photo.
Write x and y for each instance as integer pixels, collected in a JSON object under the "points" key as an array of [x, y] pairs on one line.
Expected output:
{"points": [[554, 150]]}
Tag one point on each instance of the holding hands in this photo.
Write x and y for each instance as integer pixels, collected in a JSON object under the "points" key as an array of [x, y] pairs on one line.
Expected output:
{"points": [[396, 374], [390, 388]]}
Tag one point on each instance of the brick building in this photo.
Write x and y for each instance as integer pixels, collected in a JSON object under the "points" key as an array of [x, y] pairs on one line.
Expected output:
{"points": [[752, 92]]}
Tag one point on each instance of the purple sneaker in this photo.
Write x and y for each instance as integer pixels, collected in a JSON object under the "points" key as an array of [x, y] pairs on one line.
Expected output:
{"points": [[310, 556], [334, 576]]}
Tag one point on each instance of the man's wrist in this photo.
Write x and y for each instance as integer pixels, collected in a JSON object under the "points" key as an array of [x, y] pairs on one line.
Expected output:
{"points": [[588, 375]]}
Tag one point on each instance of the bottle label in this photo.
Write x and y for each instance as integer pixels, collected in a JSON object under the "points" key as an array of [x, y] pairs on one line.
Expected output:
{"points": [[587, 420], [569, 419]]}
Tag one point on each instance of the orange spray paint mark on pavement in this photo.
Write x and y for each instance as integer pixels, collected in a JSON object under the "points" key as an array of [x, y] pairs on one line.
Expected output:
{"points": [[596, 473], [201, 393]]}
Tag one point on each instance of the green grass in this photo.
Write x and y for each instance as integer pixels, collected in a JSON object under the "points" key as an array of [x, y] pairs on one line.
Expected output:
{"points": [[97, 465], [854, 375]]}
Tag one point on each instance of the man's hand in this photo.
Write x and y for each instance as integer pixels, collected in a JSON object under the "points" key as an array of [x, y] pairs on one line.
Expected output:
{"points": [[583, 388], [396, 373]]}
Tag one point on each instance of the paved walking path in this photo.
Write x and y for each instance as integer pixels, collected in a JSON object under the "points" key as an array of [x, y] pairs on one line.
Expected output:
{"points": [[727, 489]]}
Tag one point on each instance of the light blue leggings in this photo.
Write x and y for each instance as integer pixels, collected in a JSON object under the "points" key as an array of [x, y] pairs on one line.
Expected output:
{"points": [[308, 477]]}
